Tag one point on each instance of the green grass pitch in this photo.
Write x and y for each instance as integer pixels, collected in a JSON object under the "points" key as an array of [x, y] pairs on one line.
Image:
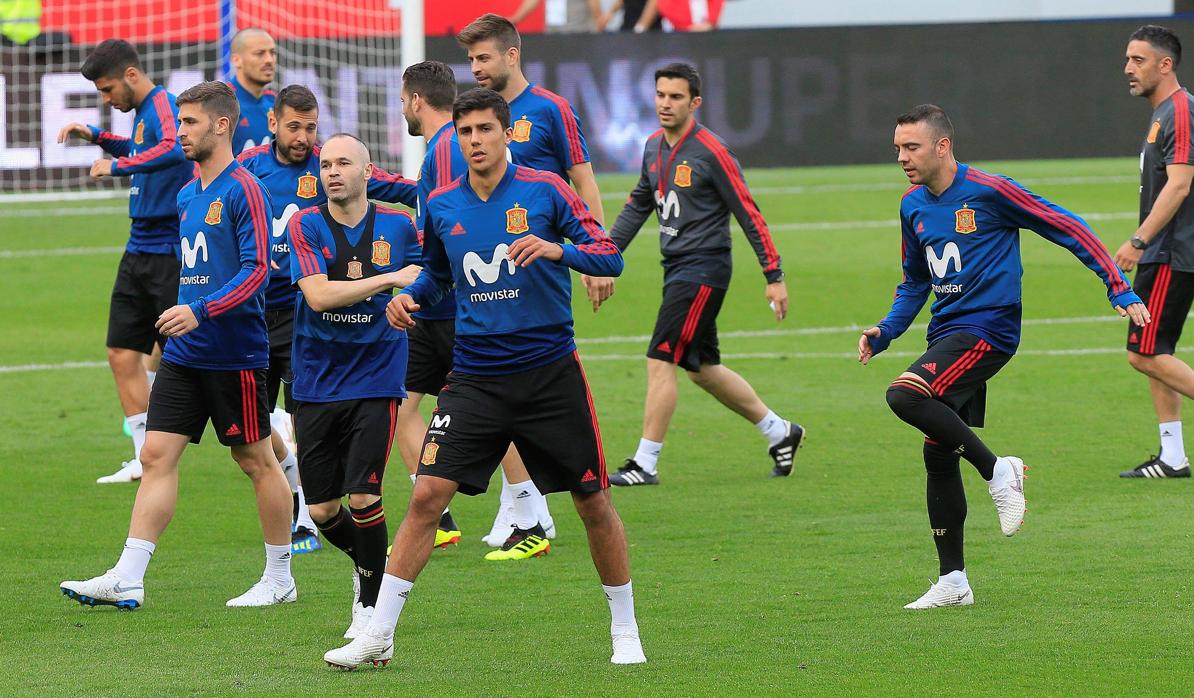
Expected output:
{"points": [[745, 585]]}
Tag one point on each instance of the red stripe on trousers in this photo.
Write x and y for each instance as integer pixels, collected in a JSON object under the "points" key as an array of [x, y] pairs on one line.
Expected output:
{"points": [[244, 405], [255, 434], [393, 422], [593, 417], [1157, 306], [691, 322]]}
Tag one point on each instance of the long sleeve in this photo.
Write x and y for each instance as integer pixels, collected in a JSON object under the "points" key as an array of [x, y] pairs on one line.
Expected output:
{"points": [[435, 281], [166, 153], [639, 206], [727, 177], [910, 294], [392, 188], [1024, 209], [592, 251], [251, 218], [112, 144]]}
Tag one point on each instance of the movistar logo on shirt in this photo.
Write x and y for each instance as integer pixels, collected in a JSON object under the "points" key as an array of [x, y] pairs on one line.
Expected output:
{"points": [[190, 254], [939, 264], [477, 269]]}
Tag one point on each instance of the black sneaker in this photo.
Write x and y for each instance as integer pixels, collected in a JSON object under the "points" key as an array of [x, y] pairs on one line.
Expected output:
{"points": [[1154, 467], [632, 474], [784, 452]]}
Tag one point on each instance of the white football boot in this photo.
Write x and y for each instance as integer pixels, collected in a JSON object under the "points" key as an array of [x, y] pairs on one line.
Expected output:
{"points": [[628, 649], [361, 615], [108, 589], [1008, 494], [265, 593], [366, 647], [944, 594], [130, 471]]}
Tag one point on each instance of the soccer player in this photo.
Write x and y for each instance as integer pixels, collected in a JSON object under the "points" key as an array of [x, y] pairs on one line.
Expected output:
{"points": [[1162, 248], [147, 278], [213, 366], [349, 366], [498, 234], [428, 89], [255, 60], [692, 182], [960, 229], [288, 168], [548, 137]]}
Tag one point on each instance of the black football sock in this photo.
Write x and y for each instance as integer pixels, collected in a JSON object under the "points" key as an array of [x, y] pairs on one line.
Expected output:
{"points": [[371, 537], [338, 531], [947, 505], [295, 508], [941, 424]]}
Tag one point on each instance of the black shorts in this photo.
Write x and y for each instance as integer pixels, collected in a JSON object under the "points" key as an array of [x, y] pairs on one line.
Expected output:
{"points": [[1168, 295], [184, 398], [279, 378], [957, 369], [547, 412], [344, 446], [686, 328], [429, 344], [146, 286]]}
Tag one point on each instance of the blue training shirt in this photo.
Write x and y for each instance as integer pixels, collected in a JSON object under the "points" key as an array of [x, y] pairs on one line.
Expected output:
{"points": [[964, 246], [443, 163], [225, 258], [349, 353], [295, 187], [253, 128], [547, 133], [158, 169], [508, 318]]}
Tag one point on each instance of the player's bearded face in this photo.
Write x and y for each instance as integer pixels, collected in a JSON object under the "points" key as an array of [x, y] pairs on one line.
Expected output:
{"points": [[673, 104], [259, 59], [918, 151], [490, 65], [413, 127], [1142, 68], [117, 92], [296, 134], [198, 133]]}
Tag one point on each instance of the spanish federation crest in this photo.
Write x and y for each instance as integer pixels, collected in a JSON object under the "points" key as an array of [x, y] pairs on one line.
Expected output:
{"points": [[139, 135], [522, 130], [964, 220], [1154, 131], [430, 450], [381, 253], [214, 213], [306, 186], [354, 269], [683, 176], [516, 220]]}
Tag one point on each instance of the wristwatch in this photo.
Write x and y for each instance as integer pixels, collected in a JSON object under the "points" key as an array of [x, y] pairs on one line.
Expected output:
{"points": [[1138, 242]]}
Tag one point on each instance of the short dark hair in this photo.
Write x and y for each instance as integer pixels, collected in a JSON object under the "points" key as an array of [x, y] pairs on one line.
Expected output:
{"points": [[214, 97], [433, 81], [481, 98], [932, 115], [490, 26], [682, 71], [1160, 38], [110, 59], [297, 98]]}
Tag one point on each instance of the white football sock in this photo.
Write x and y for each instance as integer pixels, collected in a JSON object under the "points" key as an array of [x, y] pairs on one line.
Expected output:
{"points": [[1173, 448], [137, 426], [290, 470], [507, 498], [151, 376], [526, 505], [390, 600], [134, 560], [621, 609], [773, 427], [304, 520], [647, 455], [412, 478], [277, 564], [957, 578]]}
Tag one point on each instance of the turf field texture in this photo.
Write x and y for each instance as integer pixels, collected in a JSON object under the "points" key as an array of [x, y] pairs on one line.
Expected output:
{"points": [[744, 584]]}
